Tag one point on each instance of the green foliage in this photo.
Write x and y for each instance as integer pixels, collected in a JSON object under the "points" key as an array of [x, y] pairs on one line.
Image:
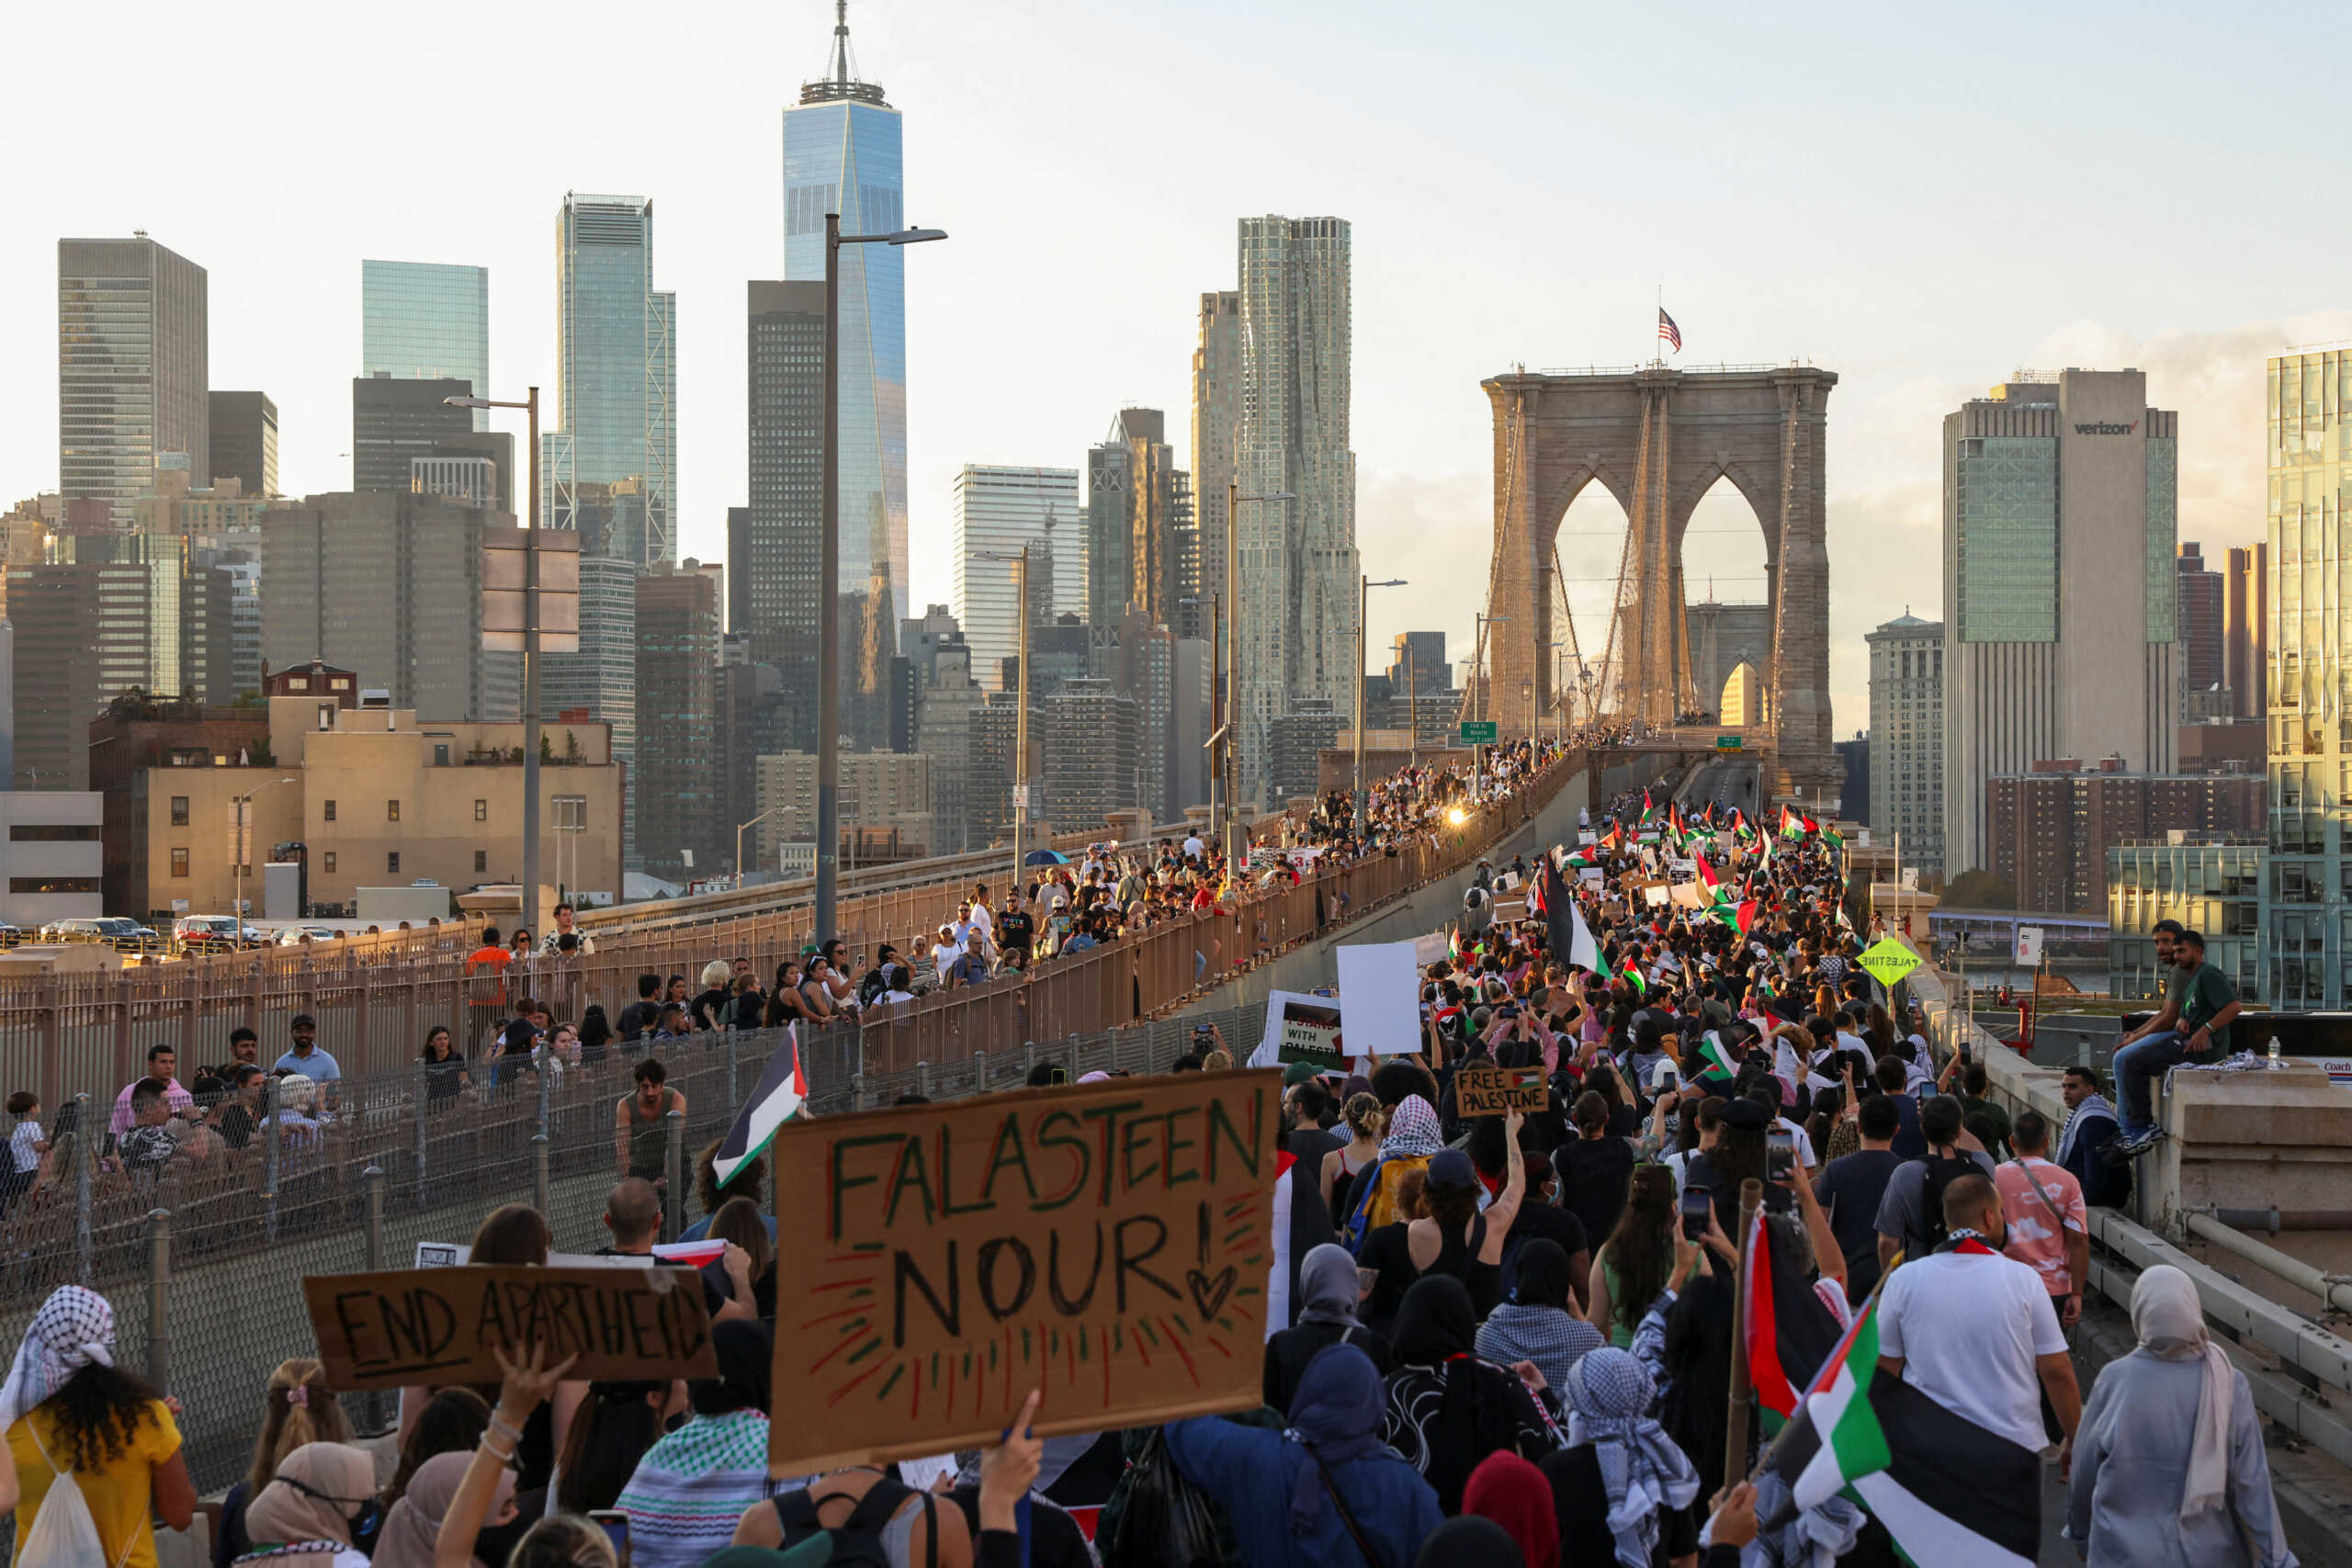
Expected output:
{"points": [[1980, 890]]}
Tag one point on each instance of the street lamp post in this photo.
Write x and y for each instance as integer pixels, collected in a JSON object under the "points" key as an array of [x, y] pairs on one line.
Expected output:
{"points": [[738, 840], [1236, 857], [1216, 730], [530, 405], [237, 901], [1021, 696], [829, 560], [1364, 586]]}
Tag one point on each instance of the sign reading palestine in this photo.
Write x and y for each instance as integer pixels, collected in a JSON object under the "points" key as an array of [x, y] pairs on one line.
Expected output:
{"points": [[1107, 1244], [1482, 1089], [1887, 961]]}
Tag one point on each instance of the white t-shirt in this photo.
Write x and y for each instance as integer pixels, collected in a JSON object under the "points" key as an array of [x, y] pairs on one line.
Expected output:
{"points": [[1804, 1143], [1194, 848], [20, 1144], [982, 918], [1968, 1327]]}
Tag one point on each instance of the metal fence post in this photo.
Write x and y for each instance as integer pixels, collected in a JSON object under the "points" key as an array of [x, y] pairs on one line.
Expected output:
{"points": [[542, 1186], [158, 1289], [85, 1243], [857, 1092], [674, 1164], [271, 1136], [922, 1079], [732, 1103], [422, 1099], [979, 1072], [372, 1177]]}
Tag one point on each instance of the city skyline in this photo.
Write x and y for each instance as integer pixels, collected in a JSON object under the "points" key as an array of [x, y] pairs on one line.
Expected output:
{"points": [[2132, 270]]}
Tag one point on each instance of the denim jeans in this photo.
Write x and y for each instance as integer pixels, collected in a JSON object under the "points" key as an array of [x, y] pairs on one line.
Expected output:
{"points": [[2138, 1064]]}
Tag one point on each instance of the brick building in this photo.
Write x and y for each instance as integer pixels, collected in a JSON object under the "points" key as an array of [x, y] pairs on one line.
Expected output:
{"points": [[2049, 830]]}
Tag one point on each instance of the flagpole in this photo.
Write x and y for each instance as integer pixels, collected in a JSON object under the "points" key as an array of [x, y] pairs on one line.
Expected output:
{"points": [[1765, 1458], [1751, 1199]]}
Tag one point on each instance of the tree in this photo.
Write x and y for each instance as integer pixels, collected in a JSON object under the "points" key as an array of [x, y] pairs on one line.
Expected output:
{"points": [[546, 749], [1980, 890]]}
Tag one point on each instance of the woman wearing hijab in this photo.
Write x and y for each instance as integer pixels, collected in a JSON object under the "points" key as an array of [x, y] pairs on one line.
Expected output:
{"points": [[1513, 1493], [1539, 1323], [2168, 1465], [69, 1410], [1324, 1492], [322, 1498], [413, 1530], [1448, 1409], [1621, 1488], [1327, 1292]]}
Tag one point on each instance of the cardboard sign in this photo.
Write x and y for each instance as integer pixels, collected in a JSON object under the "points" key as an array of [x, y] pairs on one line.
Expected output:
{"points": [[1310, 1033], [1482, 1089], [1653, 893], [1108, 1243], [430, 1326]]}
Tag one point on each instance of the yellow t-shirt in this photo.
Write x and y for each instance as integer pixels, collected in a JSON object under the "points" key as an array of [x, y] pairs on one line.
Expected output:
{"points": [[121, 1494]]}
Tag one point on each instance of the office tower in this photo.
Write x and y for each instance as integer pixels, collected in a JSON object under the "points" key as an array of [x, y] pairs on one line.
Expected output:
{"points": [[738, 577], [1297, 595], [777, 566], [754, 721], [393, 422], [427, 321], [616, 389], [55, 685], [387, 586], [991, 730], [679, 835], [132, 371], [1418, 663], [998, 510], [1133, 554], [1138, 657], [943, 716], [2310, 401], [2058, 585], [1295, 743], [2246, 631], [880, 792], [1906, 763], [245, 441], [1216, 425], [1091, 745], [841, 156], [2198, 598], [1854, 798], [1109, 479], [599, 682]]}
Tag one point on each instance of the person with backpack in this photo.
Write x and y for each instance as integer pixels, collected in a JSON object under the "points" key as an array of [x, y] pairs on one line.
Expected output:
{"points": [[1911, 1214], [98, 1451], [1325, 1492]]}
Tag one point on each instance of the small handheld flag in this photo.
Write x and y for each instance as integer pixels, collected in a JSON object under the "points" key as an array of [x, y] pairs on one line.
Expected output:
{"points": [[778, 1096]]}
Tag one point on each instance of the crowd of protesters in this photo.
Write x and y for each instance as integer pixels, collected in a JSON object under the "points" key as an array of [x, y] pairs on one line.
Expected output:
{"points": [[1507, 1340]]}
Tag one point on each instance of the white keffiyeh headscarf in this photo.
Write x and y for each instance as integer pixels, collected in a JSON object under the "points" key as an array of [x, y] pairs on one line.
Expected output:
{"points": [[1641, 1471], [74, 1328]]}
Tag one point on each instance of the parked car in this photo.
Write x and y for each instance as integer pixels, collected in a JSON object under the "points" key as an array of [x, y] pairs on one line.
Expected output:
{"points": [[122, 934], [291, 936], [10, 936], [215, 933]]}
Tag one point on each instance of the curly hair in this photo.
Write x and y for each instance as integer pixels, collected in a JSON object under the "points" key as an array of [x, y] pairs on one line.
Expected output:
{"points": [[97, 1413]]}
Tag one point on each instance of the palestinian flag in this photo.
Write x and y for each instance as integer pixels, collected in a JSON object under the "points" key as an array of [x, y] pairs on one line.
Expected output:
{"points": [[1739, 917], [1951, 1493], [1707, 878], [1453, 945], [1569, 938], [1708, 815], [1790, 1331], [782, 1090], [1646, 807], [1740, 826], [1616, 835], [1764, 853], [1715, 1058]]}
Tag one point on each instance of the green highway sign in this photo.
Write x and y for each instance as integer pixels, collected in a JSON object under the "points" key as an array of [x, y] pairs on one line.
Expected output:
{"points": [[1477, 732], [1726, 742], [1888, 961]]}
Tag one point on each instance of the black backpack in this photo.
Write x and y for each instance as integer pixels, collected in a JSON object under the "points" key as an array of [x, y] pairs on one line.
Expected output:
{"points": [[1939, 1174], [857, 1540]]}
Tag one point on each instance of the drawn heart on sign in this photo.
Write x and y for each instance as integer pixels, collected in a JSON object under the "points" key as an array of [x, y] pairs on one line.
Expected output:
{"points": [[1209, 1291]]}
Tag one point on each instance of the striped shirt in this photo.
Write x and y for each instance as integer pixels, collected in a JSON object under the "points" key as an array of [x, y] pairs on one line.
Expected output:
{"points": [[693, 1486]]}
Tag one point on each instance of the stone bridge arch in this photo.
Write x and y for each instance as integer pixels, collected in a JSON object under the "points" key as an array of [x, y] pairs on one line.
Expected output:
{"points": [[1763, 429]]}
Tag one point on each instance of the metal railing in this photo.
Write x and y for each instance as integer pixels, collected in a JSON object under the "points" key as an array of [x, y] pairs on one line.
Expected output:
{"points": [[204, 1258], [375, 1000]]}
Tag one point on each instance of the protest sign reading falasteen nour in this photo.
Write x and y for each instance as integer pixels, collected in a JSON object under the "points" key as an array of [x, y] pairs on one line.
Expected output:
{"points": [[392, 1327], [1107, 1244]]}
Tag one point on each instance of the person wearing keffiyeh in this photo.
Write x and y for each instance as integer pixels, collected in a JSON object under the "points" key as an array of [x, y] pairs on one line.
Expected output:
{"points": [[1623, 1486], [69, 1410]]}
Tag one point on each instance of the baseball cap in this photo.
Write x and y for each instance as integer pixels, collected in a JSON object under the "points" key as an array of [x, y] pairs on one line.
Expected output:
{"points": [[1451, 1168]]}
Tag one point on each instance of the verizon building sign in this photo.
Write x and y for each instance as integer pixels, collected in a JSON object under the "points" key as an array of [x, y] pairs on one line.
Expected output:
{"points": [[2106, 428]]}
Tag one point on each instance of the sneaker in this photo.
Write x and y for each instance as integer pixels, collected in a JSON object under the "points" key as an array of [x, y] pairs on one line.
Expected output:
{"points": [[2133, 1147]]}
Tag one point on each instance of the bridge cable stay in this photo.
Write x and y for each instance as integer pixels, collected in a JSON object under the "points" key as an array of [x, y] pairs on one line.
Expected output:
{"points": [[1616, 656]]}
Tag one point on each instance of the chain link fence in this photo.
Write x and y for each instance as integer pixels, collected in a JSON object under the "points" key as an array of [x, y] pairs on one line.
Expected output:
{"points": [[204, 1256]]}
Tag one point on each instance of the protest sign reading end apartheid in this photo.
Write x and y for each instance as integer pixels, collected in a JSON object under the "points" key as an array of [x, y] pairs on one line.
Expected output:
{"points": [[1107, 1243], [397, 1327], [1482, 1089]]}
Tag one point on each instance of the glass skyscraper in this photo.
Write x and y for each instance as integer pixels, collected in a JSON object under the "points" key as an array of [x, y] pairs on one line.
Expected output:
{"points": [[616, 381], [426, 321], [841, 156], [132, 369], [2308, 925]]}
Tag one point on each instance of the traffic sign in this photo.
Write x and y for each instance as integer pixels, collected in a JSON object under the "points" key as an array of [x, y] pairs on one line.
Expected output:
{"points": [[1727, 742], [1887, 961], [1477, 732]]}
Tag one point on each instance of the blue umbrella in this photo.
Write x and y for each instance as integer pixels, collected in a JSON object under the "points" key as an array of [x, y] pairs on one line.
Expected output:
{"points": [[1045, 857]]}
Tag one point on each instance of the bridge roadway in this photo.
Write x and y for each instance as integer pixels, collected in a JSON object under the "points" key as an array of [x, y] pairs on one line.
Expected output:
{"points": [[375, 996]]}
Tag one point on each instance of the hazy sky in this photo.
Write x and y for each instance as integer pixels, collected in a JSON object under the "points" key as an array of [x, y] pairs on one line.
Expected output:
{"points": [[1921, 199]]}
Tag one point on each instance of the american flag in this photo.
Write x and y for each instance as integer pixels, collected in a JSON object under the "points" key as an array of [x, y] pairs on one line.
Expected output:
{"points": [[1667, 332]]}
